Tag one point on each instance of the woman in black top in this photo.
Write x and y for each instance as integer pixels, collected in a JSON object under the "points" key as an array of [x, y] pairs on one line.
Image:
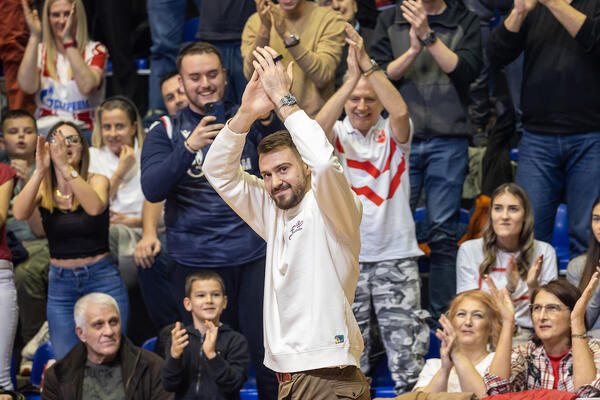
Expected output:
{"points": [[74, 209]]}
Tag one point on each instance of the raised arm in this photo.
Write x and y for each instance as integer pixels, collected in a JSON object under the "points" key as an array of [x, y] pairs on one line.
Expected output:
{"points": [[338, 203], [333, 108], [584, 368], [244, 193], [28, 76], [501, 364], [319, 64], [256, 33], [6, 191], [92, 194], [390, 97], [29, 197], [88, 78], [507, 40]]}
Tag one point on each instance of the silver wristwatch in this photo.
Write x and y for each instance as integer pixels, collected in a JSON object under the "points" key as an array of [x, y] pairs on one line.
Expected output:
{"points": [[291, 40], [286, 100]]}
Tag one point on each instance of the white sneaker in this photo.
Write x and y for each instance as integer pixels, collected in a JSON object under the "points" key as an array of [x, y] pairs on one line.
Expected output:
{"points": [[40, 337]]}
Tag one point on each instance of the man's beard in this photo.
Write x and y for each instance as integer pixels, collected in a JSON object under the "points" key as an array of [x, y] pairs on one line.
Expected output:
{"points": [[297, 194]]}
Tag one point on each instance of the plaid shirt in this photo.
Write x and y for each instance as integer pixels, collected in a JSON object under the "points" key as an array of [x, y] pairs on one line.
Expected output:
{"points": [[531, 369]]}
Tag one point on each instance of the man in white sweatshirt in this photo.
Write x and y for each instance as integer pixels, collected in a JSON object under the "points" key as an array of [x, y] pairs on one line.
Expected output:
{"points": [[307, 213]]}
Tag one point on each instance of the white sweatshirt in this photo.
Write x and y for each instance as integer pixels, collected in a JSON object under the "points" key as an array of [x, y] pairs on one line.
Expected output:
{"points": [[312, 251]]}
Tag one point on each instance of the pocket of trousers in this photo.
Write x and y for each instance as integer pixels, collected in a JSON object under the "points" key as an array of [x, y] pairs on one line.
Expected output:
{"points": [[349, 390]]}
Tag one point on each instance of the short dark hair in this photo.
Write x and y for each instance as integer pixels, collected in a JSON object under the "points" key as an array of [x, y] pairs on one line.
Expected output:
{"points": [[197, 48], [18, 113], [202, 276], [277, 141], [564, 291], [166, 77]]}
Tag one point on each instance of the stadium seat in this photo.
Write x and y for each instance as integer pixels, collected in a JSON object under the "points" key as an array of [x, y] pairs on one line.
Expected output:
{"points": [[149, 344], [40, 358], [560, 239], [190, 29]]}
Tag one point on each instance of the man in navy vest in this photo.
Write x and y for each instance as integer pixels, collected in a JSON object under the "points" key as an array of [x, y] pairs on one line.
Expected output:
{"points": [[202, 230]]}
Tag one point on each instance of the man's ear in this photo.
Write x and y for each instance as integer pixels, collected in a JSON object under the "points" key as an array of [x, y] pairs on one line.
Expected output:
{"points": [[180, 82], [2, 144], [187, 303], [225, 300], [80, 334]]}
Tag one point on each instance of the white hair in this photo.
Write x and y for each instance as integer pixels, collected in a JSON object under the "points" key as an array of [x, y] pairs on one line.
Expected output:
{"points": [[92, 298]]}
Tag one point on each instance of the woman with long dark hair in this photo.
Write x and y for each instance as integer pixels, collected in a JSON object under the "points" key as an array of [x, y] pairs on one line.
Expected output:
{"points": [[581, 269], [74, 209], [509, 254]]}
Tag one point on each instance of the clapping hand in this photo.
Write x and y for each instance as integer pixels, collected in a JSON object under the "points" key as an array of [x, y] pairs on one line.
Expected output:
{"points": [[524, 6], [276, 82], [512, 275], [578, 313], [355, 41], [179, 340], [263, 7], [42, 155], [126, 160], [414, 12], [66, 35], [210, 340], [58, 152], [32, 19], [502, 300], [534, 272], [448, 338]]}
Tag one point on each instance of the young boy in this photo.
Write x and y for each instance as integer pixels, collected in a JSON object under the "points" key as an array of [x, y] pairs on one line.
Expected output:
{"points": [[19, 138], [207, 360]]}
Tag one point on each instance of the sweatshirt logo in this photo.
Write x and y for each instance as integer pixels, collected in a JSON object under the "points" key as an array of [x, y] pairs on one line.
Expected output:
{"points": [[380, 136], [295, 228], [338, 339]]}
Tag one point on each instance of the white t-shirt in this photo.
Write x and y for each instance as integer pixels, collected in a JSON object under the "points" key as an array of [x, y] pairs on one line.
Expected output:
{"points": [[469, 258], [62, 97], [130, 198], [433, 365], [377, 168]]}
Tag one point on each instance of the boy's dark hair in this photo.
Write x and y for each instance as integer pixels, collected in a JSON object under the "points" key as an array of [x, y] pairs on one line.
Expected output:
{"points": [[19, 113], [197, 48], [166, 77], [278, 141], [202, 276]]}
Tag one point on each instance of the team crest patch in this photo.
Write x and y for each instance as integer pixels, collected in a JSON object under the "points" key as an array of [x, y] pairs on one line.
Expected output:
{"points": [[339, 339], [380, 136]]}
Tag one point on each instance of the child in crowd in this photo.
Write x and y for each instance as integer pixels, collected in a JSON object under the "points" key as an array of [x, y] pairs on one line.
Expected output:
{"points": [[207, 360], [19, 137]]}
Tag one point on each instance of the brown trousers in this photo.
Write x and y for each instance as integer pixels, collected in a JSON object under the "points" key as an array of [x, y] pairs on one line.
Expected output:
{"points": [[326, 384]]}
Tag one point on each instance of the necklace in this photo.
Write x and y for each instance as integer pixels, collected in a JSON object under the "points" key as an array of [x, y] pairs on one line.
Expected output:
{"points": [[60, 195]]}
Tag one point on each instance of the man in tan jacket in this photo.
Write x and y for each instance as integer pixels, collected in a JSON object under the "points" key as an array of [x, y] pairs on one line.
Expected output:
{"points": [[303, 32]]}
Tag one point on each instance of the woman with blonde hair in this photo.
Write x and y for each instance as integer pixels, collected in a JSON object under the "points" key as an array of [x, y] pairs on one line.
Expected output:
{"points": [[469, 336], [509, 254], [74, 209], [61, 66]]}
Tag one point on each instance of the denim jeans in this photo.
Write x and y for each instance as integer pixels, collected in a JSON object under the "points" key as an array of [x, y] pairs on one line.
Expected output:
{"points": [[439, 166], [166, 19], [9, 313], [551, 164], [67, 285]]}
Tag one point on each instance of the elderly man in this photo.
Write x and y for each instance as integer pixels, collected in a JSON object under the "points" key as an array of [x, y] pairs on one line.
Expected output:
{"points": [[104, 364]]}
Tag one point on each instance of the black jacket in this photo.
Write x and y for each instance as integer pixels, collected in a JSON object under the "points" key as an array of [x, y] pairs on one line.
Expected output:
{"points": [[193, 376], [436, 100], [141, 371]]}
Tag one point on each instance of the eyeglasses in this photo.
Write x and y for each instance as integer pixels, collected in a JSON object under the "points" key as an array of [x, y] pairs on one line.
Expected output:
{"points": [[73, 139], [551, 309]]}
